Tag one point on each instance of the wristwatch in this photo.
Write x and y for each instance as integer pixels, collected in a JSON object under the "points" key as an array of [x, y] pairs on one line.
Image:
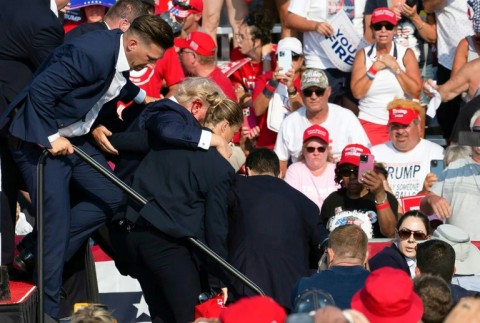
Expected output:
{"points": [[398, 71]]}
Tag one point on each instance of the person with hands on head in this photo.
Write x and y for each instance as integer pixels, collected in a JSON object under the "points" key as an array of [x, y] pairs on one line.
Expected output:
{"points": [[365, 202], [382, 72], [284, 83]]}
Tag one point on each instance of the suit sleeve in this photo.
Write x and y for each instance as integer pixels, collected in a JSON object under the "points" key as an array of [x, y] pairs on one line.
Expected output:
{"points": [[72, 69], [46, 39], [172, 128]]}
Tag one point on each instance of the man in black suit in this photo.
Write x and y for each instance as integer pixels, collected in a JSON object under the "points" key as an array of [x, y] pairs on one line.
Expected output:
{"points": [[31, 31], [274, 229], [55, 111], [187, 190]]}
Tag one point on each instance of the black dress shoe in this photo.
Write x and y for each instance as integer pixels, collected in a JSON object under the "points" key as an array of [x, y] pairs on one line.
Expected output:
{"points": [[25, 261]]}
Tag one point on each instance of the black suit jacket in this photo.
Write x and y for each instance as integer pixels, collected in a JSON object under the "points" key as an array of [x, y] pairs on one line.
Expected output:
{"points": [[83, 29], [273, 228], [30, 32], [389, 257], [187, 192], [71, 81]]}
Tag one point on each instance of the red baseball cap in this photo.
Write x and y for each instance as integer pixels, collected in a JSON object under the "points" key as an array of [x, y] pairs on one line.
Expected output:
{"points": [[351, 154], [402, 115], [201, 43], [259, 309], [316, 131], [388, 296], [383, 15], [183, 8]]}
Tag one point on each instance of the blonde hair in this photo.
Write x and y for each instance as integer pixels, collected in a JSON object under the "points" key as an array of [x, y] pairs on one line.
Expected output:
{"points": [[93, 314], [405, 104], [226, 109], [199, 88]]}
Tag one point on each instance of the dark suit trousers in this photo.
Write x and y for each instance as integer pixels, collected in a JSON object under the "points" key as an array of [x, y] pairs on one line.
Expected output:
{"points": [[166, 271], [67, 226]]}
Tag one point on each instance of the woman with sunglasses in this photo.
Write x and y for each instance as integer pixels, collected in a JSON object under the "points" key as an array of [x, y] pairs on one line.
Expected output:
{"points": [[363, 202], [314, 173], [382, 72], [412, 228]]}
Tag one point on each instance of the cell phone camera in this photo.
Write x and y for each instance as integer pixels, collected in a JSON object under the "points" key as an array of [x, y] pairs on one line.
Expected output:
{"points": [[363, 158], [281, 53], [434, 163]]}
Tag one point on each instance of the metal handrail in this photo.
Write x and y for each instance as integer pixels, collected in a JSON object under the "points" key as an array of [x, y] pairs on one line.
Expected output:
{"points": [[142, 201], [40, 232]]}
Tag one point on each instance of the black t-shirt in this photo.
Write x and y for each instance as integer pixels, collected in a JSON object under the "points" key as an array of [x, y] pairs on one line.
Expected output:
{"points": [[338, 202]]}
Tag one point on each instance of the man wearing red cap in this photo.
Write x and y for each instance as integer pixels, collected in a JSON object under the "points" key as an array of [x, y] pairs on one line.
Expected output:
{"points": [[342, 125], [198, 57], [188, 13], [365, 202], [407, 156]]}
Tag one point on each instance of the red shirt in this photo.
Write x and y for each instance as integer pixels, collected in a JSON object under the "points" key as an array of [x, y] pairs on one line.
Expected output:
{"points": [[224, 83], [168, 68], [247, 74], [267, 137]]}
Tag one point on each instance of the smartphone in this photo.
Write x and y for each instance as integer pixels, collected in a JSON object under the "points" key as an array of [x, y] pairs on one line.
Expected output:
{"points": [[284, 60], [367, 162], [411, 3], [249, 118], [437, 166]]}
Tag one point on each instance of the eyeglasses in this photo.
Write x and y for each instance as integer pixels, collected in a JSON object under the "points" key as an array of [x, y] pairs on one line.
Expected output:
{"points": [[182, 5], [308, 92], [405, 234], [320, 149], [379, 26], [347, 172]]}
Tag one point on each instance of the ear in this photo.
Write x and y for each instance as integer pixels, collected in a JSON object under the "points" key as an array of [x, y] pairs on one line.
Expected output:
{"points": [[124, 24], [132, 44], [331, 255], [328, 91], [224, 125], [257, 43], [195, 106], [248, 171]]}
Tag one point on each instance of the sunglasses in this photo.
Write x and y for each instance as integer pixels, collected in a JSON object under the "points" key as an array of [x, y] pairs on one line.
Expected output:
{"points": [[182, 5], [379, 26], [405, 234], [320, 149], [309, 92], [347, 172]]}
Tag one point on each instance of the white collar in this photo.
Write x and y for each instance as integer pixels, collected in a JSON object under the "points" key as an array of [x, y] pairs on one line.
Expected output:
{"points": [[122, 62], [54, 7]]}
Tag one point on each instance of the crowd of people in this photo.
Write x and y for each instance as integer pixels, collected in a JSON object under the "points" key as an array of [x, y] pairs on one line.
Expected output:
{"points": [[284, 172]]}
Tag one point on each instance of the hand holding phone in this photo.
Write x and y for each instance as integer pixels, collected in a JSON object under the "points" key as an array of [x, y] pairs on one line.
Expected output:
{"points": [[284, 60], [249, 118], [437, 166], [367, 162]]}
